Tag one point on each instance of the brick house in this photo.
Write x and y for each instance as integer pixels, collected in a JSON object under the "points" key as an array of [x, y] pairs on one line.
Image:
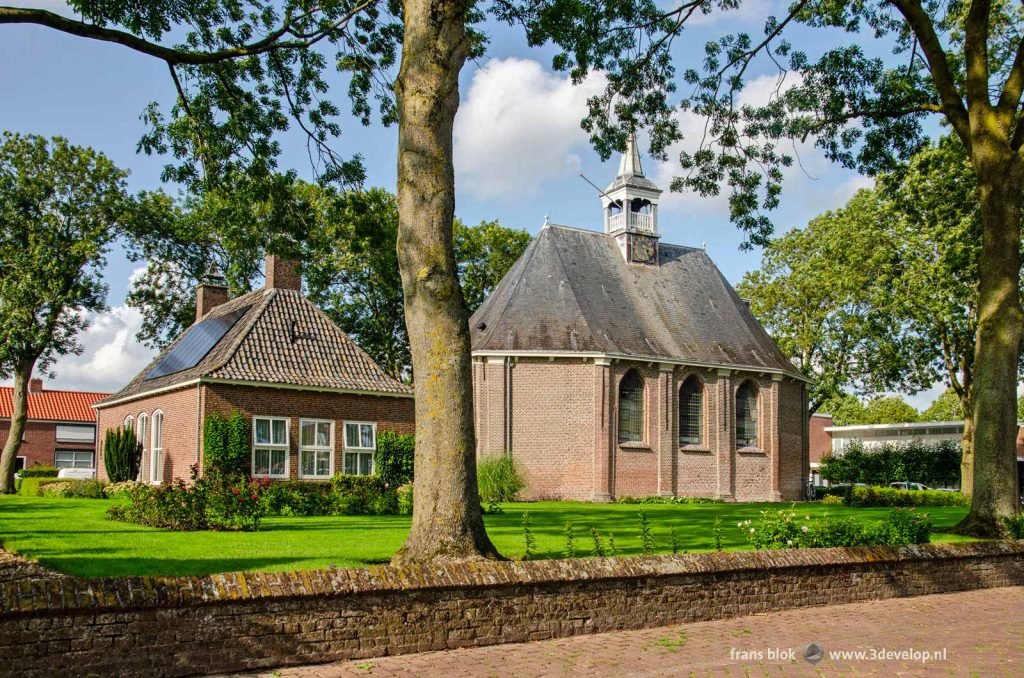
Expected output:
{"points": [[314, 399], [611, 364], [61, 427]]}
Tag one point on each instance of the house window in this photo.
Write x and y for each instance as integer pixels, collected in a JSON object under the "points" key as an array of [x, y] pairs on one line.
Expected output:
{"points": [[316, 441], [156, 448], [20, 463], [691, 412], [75, 433], [73, 459], [269, 447], [141, 429], [746, 415], [129, 422], [631, 408], [360, 444]]}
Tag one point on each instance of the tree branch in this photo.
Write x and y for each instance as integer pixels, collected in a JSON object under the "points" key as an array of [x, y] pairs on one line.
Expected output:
{"points": [[1009, 98], [976, 53]]}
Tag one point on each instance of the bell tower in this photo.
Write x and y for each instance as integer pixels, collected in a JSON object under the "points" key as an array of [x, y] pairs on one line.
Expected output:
{"points": [[631, 209]]}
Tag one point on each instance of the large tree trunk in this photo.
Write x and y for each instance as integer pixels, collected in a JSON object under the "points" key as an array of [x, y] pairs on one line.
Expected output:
{"points": [[967, 444], [19, 416], [447, 523], [998, 345]]}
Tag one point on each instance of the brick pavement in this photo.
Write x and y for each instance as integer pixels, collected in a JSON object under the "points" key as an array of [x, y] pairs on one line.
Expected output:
{"points": [[981, 633]]}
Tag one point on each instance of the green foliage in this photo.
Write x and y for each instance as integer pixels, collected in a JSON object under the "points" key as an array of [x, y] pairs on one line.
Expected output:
{"points": [[226, 444], [612, 551], [570, 541], [600, 548], [483, 254], [889, 496], [405, 499], [673, 539], [1014, 526], [779, 529], [499, 479], [647, 542], [31, 487], [394, 458], [657, 499], [122, 489], [833, 500], [39, 471], [529, 540], [364, 495], [947, 407], [73, 489], [716, 530], [935, 464], [300, 498], [215, 502], [122, 454], [889, 410]]}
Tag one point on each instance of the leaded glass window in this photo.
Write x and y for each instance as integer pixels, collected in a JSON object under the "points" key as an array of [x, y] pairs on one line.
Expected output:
{"points": [[691, 412], [746, 415], [631, 408]]}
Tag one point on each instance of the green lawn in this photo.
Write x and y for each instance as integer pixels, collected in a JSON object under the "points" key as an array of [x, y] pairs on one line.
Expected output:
{"points": [[74, 536]]}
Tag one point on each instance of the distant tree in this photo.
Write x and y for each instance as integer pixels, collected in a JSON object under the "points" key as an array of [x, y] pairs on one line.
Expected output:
{"points": [[846, 409], [484, 253], [61, 206], [947, 407], [889, 410]]}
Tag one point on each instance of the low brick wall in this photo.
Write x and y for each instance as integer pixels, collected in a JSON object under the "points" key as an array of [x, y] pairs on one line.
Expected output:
{"points": [[193, 625]]}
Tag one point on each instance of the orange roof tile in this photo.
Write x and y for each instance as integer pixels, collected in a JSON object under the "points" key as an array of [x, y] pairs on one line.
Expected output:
{"points": [[53, 405]]}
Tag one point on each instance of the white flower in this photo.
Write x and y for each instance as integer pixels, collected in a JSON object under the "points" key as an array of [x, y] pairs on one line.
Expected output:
{"points": [[803, 529], [751, 530], [739, 524], [789, 542]]}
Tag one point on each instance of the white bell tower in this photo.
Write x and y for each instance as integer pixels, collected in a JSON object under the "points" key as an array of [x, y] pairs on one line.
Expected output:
{"points": [[631, 209]]}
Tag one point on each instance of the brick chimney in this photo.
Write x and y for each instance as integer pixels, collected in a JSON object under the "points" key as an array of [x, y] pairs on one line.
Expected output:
{"points": [[283, 274], [35, 385], [211, 293]]}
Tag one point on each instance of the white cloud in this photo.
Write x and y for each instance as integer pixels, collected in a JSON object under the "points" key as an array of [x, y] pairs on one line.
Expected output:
{"points": [[519, 127]]}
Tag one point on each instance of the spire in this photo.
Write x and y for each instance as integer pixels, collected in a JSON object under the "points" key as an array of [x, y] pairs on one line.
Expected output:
{"points": [[630, 163]]}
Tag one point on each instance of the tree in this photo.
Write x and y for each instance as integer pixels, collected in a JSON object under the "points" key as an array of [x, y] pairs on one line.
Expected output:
{"points": [[889, 410], [946, 407], [484, 253], [61, 207], [846, 409]]}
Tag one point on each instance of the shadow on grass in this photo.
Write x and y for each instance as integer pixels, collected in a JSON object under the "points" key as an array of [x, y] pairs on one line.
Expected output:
{"points": [[92, 567]]}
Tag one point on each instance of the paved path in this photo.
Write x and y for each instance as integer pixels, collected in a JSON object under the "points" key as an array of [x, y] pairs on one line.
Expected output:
{"points": [[975, 633]]}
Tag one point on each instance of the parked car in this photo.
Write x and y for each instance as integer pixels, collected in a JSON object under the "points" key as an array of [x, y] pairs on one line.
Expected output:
{"points": [[909, 486]]}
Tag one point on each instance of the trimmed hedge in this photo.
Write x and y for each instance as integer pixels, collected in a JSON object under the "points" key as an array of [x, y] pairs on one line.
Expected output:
{"points": [[935, 464], [394, 457], [39, 471], [344, 495], [888, 496], [30, 487]]}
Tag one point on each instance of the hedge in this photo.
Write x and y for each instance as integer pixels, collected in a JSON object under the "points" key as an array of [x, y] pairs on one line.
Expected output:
{"points": [[394, 457], [889, 496], [29, 487], [936, 464]]}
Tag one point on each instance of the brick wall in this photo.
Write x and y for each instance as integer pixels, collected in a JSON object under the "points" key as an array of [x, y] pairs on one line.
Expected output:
{"points": [[235, 622], [40, 443], [564, 431], [821, 440], [180, 439]]}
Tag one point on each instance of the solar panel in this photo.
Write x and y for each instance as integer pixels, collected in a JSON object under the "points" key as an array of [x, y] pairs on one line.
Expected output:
{"points": [[197, 341]]}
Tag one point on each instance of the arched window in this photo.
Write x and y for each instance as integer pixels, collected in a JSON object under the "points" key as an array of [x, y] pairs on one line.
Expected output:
{"points": [[156, 448], [141, 433], [691, 412], [631, 408], [746, 415], [129, 422]]}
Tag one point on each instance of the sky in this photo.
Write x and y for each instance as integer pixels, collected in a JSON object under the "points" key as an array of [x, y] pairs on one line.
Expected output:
{"points": [[519, 152]]}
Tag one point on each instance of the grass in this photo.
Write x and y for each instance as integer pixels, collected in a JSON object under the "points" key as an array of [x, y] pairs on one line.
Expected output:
{"points": [[74, 535]]}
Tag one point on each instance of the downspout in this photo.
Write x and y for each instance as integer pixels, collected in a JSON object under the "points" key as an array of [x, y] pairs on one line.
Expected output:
{"points": [[508, 406], [199, 411]]}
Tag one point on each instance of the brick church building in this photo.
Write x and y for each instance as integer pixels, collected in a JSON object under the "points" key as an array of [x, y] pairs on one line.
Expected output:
{"points": [[315, 401], [611, 364]]}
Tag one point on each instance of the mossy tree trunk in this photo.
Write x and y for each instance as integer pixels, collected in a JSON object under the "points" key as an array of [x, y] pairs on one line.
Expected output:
{"points": [[447, 522], [19, 417]]}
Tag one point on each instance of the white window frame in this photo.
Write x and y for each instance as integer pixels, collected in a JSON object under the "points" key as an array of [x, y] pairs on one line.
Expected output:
{"points": [[272, 447], [156, 452], [74, 462], [75, 433], [24, 461], [346, 450], [141, 434], [129, 422], [315, 449]]}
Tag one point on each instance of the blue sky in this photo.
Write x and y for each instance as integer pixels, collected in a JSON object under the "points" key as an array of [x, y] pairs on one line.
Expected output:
{"points": [[519, 151]]}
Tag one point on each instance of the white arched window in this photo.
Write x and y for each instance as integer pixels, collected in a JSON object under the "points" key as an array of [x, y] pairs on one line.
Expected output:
{"points": [[141, 433], [746, 415], [129, 422], [156, 448]]}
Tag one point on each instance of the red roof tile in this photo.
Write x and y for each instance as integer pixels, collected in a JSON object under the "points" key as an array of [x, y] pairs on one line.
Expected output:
{"points": [[53, 405]]}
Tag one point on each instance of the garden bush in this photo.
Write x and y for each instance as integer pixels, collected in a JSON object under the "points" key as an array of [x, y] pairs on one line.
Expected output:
{"points": [[122, 454], [226, 444], [39, 471], [498, 479], [889, 496], [299, 498], [393, 461], [31, 487], [667, 500], [833, 500], [364, 495], [781, 529], [1014, 526], [213, 502], [930, 463], [405, 499], [115, 490], [74, 489]]}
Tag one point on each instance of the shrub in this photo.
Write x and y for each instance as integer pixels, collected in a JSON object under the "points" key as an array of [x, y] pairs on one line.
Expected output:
{"points": [[298, 498], [931, 463], [405, 499], [393, 460], [832, 500], [122, 454], [498, 479], [233, 502], [364, 495], [74, 489], [667, 500], [226, 444], [39, 471], [217, 502], [124, 489], [1014, 526], [32, 487], [888, 496], [783, 529]]}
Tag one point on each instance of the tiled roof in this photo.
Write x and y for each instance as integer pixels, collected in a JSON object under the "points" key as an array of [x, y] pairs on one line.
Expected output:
{"points": [[53, 405], [572, 291], [282, 339]]}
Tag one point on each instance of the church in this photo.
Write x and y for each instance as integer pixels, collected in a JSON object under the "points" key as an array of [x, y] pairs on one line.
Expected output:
{"points": [[610, 364]]}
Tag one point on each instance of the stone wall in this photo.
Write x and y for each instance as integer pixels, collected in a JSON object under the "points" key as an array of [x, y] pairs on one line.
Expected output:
{"points": [[196, 625]]}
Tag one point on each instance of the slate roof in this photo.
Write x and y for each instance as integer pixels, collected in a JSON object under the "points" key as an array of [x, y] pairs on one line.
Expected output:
{"points": [[282, 338], [572, 291], [53, 405]]}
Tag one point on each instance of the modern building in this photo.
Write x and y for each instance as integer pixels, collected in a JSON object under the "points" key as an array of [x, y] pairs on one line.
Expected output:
{"points": [[61, 427], [315, 400], [611, 364]]}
